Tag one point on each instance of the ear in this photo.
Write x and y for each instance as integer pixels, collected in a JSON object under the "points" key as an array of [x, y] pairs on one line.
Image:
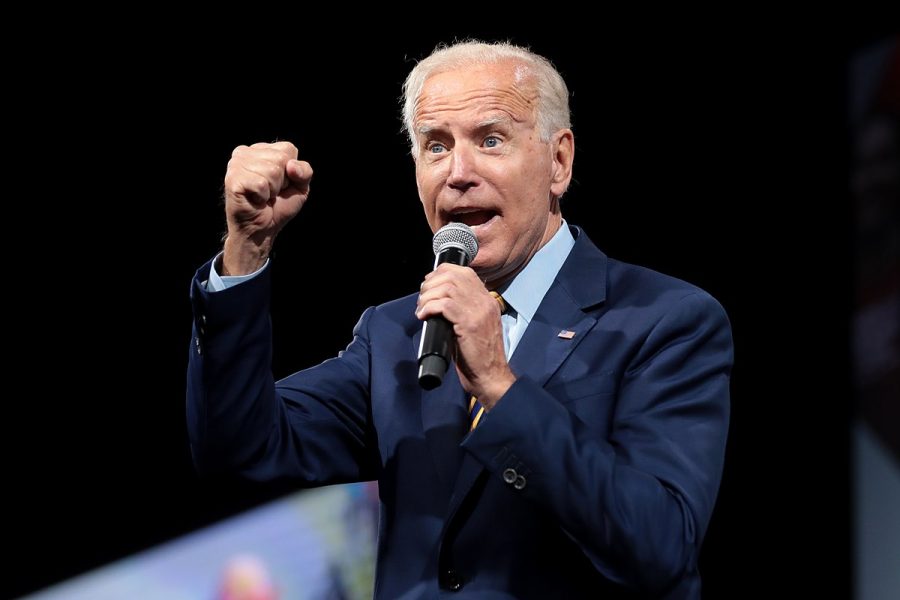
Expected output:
{"points": [[562, 148]]}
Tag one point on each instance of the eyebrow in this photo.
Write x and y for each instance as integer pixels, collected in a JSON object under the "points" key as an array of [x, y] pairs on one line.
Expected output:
{"points": [[493, 121], [426, 128]]}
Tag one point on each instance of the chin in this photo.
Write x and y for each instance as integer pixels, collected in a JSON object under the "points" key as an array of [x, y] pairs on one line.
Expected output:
{"points": [[484, 267], [481, 266]]}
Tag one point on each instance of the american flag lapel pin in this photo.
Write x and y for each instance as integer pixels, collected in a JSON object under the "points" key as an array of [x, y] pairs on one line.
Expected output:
{"points": [[566, 334]]}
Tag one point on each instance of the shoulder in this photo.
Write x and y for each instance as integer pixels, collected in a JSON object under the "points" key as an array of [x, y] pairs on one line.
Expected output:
{"points": [[663, 304], [638, 290], [395, 314], [399, 308], [627, 280]]}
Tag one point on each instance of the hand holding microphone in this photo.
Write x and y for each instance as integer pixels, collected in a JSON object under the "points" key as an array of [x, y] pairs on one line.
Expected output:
{"points": [[454, 243], [462, 321]]}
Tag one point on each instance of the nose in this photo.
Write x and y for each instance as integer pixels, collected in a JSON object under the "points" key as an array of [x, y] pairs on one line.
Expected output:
{"points": [[463, 172]]}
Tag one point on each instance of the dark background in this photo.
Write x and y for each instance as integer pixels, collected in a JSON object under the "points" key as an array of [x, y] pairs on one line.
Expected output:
{"points": [[717, 157]]}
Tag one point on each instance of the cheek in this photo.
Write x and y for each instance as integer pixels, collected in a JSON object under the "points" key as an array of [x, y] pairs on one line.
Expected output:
{"points": [[428, 174], [425, 187], [428, 199]]}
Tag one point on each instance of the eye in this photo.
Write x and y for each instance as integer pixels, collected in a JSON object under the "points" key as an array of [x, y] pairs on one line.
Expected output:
{"points": [[436, 148], [491, 141]]}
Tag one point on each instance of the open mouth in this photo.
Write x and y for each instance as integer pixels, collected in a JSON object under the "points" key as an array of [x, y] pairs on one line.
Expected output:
{"points": [[473, 218]]}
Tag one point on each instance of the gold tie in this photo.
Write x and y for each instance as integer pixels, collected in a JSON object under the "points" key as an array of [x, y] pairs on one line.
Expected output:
{"points": [[500, 299], [476, 410]]}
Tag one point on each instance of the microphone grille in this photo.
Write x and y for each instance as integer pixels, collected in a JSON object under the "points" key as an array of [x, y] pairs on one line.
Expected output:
{"points": [[456, 235]]}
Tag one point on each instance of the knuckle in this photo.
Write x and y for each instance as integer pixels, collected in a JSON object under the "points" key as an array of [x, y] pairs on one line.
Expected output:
{"points": [[287, 148], [258, 181], [273, 171], [249, 183], [234, 165]]}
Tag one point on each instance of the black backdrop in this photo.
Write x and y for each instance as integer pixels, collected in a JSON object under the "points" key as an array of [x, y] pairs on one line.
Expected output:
{"points": [[715, 157]]}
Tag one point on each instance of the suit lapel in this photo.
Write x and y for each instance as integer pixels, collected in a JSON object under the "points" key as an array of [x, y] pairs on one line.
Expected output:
{"points": [[541, 350], [579, 286]]}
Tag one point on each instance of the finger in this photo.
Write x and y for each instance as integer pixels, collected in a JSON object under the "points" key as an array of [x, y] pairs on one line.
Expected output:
{"points": [[264, 152], [300, 174], [433, 293], [461, 299], [462, 280], [253, 158], [255, 188], [451, 268], [464, 276], [448, 272], [438, 286], [288, 205], [434, 307], [273, 172], [252, 155], [286, 149]]}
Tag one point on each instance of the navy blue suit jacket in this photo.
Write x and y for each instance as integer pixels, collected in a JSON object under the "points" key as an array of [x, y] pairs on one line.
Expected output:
{"points": [[594, 476]]}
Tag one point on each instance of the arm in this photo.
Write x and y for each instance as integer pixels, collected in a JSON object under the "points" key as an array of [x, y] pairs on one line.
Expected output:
{"points": [[638, 499], [314, 425]]}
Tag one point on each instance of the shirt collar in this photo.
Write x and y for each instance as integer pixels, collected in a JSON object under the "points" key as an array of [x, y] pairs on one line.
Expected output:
{"points": [[526, 291]]}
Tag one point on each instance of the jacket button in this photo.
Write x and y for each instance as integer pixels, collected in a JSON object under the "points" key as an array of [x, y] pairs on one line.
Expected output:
{"points": [[520, 482], [451, 580], [509, 475]]}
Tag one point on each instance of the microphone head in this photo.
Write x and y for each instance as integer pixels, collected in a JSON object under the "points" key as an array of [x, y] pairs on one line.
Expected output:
{"points": [[456, 235]]}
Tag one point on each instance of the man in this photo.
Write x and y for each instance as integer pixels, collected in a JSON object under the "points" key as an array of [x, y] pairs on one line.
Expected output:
{"points": [[595, 463]]}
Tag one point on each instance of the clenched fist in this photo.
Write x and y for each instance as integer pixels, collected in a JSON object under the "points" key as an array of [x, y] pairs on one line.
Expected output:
{"points": [[265, 187]]}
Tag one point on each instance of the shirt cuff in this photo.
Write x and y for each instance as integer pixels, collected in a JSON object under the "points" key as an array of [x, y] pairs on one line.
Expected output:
{"points": [[218, 283]]}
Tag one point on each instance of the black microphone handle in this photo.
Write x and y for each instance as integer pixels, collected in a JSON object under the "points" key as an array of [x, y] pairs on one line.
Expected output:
{"points": [[436, 347]]}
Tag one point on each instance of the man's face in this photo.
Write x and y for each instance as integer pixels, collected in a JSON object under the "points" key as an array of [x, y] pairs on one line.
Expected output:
{"points": [[481, 162]]}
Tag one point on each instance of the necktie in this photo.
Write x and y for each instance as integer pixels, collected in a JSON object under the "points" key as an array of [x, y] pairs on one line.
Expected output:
{"points": [[476, 410]]}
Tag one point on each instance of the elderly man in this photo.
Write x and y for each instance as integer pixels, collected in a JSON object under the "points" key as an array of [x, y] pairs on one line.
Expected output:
{"points": [[576, 447]]}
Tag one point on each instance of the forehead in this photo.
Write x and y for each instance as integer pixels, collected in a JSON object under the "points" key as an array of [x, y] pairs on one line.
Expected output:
{"points": [[504, 87]]}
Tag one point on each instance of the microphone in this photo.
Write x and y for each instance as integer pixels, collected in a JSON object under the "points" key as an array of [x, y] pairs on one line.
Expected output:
{"points": [[453, 243]]}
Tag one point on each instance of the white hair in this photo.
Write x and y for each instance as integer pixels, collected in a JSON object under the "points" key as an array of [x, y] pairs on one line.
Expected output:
{"points": [[552, 111]]}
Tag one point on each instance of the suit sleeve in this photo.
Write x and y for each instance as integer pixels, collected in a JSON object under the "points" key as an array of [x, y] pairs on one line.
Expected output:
{"points": [[314, 426], [637, 500]]}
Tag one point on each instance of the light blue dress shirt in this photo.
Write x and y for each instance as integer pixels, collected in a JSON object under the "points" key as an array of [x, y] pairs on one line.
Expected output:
{"points": [[522, 295], [525, 292], [217, 283]]}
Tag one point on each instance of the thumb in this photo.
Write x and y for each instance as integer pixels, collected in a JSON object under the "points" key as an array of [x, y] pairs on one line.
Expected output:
{"points": [[300, 174]]}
